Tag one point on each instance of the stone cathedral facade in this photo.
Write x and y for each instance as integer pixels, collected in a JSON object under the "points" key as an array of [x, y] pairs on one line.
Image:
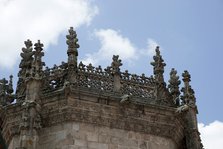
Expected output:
{"points": [[78, 106]]}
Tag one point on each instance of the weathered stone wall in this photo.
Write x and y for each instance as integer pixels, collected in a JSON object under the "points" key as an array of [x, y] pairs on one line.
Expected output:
{"points": [[74, 135], [87, 121]]}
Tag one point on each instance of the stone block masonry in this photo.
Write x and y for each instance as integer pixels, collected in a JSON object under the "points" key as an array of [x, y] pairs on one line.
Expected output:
{"points": [[87, 136]]}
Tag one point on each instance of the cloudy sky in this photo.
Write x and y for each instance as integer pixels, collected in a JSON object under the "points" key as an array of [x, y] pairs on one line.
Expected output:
{"points": [[189, 33]]}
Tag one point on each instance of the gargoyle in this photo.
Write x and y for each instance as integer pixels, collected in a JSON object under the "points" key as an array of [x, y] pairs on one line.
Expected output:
{"points": [[182, 108], [125, 98]]}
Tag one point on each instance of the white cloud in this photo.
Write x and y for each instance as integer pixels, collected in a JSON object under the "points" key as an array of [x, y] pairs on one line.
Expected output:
{"points": [[38, 19], [212, 135], [114, 43], [151, 46]]}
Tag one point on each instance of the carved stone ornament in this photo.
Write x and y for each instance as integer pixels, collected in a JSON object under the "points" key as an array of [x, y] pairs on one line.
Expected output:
{"points": [[74, 94], [6, 92], [37, 64], [27, 59], [188, 96], [158, 66], [173, 86], [72, 43], [116, 63]]}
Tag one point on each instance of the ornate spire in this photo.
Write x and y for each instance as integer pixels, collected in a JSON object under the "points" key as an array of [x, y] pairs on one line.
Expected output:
{"points": [[188, 93], [27, 58], [25, 71], [6, 90], [174, 86], [189, 103], [158, 66], [72, 52]]}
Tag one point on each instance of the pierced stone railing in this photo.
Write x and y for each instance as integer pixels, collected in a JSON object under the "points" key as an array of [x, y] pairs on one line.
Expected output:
{"points": [[101, 80], [140, 86], [54, 78], [94, 78]]}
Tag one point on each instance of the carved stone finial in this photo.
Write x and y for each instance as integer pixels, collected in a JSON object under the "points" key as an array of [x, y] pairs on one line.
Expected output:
{"points": [[6, 90], [188, 93], [25, 69], [174, 86], [28, 44], [115, 71], [72, 43], [126, 75], [3, 91], [27, 58], [90, 68], [38, 46], [186, 76], [158, 66], [37, 63], [115, 65]]}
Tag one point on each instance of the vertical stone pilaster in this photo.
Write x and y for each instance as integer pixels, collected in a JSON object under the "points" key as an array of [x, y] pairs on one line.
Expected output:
{"points": [[30, 125], [117, 83], [31, 122], [193, 140]]}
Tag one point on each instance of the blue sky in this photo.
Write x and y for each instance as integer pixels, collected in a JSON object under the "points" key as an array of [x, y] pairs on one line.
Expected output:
{"points": [[189, 33]]}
